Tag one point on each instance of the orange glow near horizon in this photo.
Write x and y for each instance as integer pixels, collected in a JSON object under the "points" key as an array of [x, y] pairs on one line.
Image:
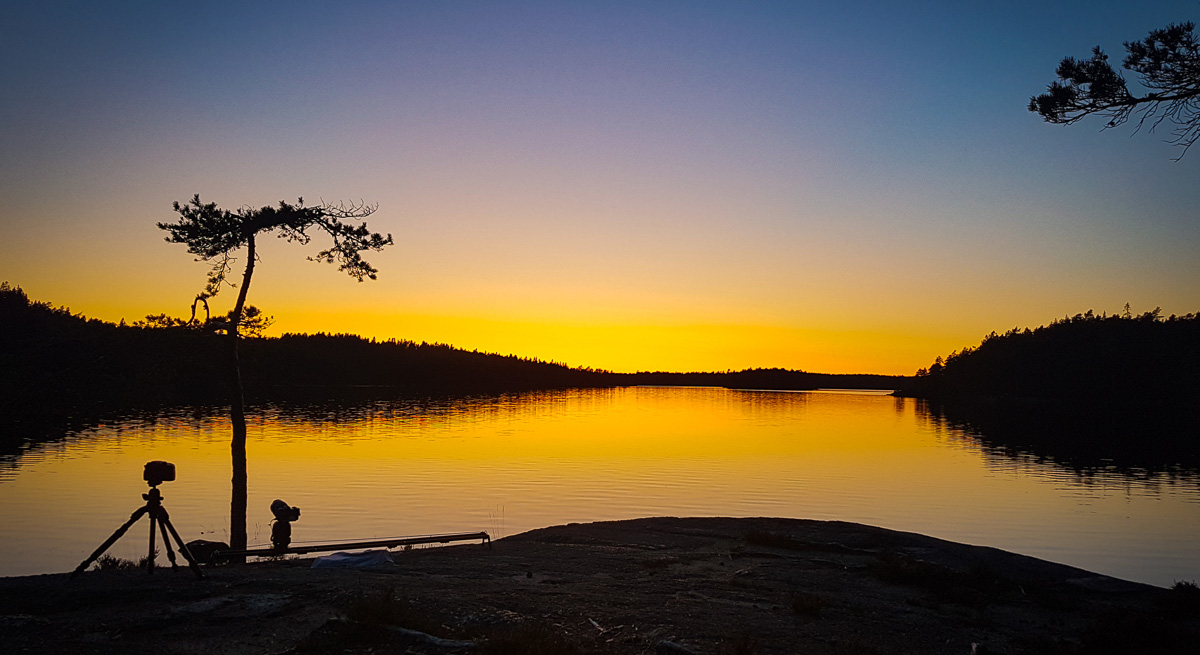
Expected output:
{"points": [[600, 329], [620, 340], [631, 347]]}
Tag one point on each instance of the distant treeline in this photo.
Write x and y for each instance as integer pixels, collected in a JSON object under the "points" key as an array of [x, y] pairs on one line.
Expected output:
{"points": [[1088, 391], [1085, 390], [769, 378], [1086, 358], [53, 361]]}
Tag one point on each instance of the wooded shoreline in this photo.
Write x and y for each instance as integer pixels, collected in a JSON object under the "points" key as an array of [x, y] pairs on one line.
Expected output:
{"points": [[1077, 389]]}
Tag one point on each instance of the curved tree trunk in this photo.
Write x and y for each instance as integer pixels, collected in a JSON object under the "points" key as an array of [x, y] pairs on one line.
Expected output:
{"points": [[237, 414]]}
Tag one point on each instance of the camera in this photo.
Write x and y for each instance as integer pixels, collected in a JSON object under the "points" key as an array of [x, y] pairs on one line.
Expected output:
{"points": [[158, 472], [284, 513], [281, 532]]}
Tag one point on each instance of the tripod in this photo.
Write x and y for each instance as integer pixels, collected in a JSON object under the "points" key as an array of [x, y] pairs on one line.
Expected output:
{"points": [[158, 515]]}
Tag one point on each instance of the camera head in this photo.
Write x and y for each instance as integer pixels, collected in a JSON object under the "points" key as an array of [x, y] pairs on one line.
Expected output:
{"points": [[283, 513], [158, 472]]}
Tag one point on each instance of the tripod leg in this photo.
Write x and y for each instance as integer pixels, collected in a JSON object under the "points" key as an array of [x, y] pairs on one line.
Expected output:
{"points": [[183, 549], [150, 555], [162, 527], [110, 541]]}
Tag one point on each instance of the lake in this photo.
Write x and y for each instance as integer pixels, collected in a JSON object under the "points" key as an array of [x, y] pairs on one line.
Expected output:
{"points": [[511, 463]]}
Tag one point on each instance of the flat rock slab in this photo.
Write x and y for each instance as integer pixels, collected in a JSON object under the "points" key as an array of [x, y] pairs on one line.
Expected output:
{"points": [[707, 586]]}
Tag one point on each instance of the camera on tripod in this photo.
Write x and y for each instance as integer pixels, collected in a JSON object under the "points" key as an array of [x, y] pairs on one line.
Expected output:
{"points": [[158, 472], [155, 473]]}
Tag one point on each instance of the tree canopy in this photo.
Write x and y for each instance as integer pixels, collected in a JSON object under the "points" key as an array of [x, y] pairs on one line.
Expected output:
{"points": [[1167, 65], [212, 233]]}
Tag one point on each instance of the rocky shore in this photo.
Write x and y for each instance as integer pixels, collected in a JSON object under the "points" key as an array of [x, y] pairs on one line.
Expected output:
{"points": [[706, 586]]}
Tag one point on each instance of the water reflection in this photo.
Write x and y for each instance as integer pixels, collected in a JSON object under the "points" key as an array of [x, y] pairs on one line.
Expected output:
{"points": [[1092, 451], [382, 468]]}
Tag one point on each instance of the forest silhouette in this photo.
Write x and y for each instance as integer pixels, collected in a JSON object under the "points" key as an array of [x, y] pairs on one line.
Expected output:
{"points": [[1085, 388], [1084, 360], [1089, 391], [57, 361]]}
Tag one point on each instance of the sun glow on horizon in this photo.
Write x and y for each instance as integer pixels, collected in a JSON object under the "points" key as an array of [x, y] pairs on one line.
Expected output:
{"points": [[662, 346]]}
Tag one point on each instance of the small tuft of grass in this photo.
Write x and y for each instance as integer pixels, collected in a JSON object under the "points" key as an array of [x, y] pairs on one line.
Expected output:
{"points": [[1186, 588], [1184, 598], [108, 562]]}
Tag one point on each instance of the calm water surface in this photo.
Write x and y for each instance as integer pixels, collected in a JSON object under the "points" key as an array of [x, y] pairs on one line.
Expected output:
{"points": [[513, 463]]}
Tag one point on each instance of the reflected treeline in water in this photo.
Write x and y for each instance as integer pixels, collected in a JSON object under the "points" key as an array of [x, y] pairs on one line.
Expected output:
{"points": [[1088, 391], [1132, 445], [522, 406], [339, 409], [777, 379], [377, 405], [46, 432], [315, 406]]}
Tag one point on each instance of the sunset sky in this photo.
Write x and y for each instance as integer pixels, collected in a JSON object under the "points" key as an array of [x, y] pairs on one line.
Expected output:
{"points": [[835, 187]]}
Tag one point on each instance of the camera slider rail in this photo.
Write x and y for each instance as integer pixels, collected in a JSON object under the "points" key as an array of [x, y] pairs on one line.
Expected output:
{"points": [[486, 540]]}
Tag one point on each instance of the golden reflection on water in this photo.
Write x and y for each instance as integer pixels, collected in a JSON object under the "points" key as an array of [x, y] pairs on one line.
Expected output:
{"points": [[514, 463]]}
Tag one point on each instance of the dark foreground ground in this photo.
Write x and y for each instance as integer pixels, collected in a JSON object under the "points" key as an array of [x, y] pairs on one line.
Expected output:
{"points": [[664, 585]]}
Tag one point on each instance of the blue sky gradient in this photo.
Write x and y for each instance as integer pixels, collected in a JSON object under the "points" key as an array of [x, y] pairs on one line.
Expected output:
{"points": [[841, 187]]}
